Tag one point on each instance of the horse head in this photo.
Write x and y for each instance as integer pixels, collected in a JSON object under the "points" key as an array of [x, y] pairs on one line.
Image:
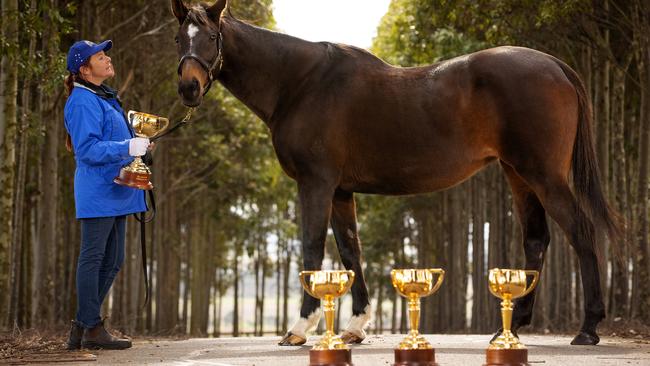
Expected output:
{"points": [[199, 45]]}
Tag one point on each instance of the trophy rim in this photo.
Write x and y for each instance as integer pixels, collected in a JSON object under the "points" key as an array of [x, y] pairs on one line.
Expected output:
{"points": [[434, 284], [345, 285], [164, 121], [493, 287]]}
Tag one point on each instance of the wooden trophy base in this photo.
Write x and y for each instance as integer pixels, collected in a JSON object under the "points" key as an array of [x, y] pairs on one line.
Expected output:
{"points": [[506, 357], [330, 357], [133, 180], [415, 357]]}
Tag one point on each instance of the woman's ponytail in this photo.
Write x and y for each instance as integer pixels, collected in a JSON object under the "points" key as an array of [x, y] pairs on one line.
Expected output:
{"points": [[69, 85]]}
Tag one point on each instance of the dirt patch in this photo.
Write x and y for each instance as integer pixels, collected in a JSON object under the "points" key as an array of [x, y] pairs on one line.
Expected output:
{"points": [[35, 346], [49, 346], [623, 328]]}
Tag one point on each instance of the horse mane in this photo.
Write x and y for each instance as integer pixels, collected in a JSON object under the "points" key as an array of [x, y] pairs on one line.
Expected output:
{"points": [[198, 15]]}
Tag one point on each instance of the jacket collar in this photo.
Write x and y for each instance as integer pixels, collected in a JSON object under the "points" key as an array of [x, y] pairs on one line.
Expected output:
{"points": [[103, 90]]}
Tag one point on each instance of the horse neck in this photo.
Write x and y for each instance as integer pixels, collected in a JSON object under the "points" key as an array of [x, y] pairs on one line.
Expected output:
{"points": [[261, 67]]}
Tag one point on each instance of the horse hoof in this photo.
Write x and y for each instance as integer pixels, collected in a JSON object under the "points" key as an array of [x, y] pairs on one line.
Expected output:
{"points": [[585, 339], [351, 338], [292, 340]]}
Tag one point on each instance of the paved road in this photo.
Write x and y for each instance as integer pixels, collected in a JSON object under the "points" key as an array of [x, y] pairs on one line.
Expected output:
{"points": [[375, 351]]}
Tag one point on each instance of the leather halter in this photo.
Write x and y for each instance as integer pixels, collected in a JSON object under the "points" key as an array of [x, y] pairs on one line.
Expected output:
{"points": [[208, 68]]}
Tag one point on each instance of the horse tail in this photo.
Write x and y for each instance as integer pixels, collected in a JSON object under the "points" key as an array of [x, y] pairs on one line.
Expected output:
{"points": [[584, 164]]}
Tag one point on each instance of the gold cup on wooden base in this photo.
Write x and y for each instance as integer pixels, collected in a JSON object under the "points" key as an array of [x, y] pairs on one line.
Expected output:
{"points": [[415, 350], [508, 284], [137, 174], [327, 286]]}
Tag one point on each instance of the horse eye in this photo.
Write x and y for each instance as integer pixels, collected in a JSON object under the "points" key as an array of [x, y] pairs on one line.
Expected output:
{"points": [[176, 39], [213, 36]]}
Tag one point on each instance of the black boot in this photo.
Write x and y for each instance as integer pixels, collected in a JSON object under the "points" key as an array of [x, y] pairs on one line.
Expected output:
{"points": [[76, 332], [99, 338]]}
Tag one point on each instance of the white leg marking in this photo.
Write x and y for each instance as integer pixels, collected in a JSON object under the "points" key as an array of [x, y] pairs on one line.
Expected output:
{"points": [[303, 326], [359, 322]]}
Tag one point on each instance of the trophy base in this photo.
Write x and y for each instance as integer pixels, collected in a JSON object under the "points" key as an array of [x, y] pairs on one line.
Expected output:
{"points": [[134, 180], [415, 357], [330, 357], [506, 357]]}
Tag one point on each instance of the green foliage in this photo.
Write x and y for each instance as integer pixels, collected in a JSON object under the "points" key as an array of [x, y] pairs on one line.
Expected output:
{"points": [[416, 32]]}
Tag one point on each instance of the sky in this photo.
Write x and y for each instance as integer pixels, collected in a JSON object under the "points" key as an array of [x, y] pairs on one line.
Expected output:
{"points": [[352, 22]]}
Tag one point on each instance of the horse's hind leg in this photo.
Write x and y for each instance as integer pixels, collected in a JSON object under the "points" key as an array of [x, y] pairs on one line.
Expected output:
{"points": [[563, 207], [344, 225], [315, 206], [535, 236]]}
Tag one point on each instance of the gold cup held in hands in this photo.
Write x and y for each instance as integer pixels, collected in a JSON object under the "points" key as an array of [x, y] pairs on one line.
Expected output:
{"points": [[137, 174], [328, 286], [414, 284], [509, 284]]}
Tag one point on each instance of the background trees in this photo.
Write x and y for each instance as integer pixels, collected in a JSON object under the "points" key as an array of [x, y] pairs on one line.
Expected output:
{"points": [[224, 250]]}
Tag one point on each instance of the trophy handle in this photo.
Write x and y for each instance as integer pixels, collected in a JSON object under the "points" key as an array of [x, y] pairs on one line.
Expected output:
{"points": [[350, 282], [535, 275], [307, 288], [441, 276], [129, 116], [164, 123]]}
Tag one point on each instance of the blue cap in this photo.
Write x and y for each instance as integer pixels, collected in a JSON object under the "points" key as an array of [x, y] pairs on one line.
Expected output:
{"points": [[81, 51]]}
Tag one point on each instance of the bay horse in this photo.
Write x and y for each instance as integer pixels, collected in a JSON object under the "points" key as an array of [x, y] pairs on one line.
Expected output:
{"points": [[343, 121]]}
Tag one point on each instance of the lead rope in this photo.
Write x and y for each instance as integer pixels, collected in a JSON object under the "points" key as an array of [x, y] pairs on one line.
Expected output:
{"points": [[184, 121], [143, 220]]}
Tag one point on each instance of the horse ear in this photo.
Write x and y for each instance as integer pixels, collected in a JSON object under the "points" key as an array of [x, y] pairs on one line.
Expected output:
{"points": [[214, 12], [180, 10]]}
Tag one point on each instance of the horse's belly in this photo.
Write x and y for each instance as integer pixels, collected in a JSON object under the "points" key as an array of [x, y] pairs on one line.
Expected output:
{"points": [[405, 179]]}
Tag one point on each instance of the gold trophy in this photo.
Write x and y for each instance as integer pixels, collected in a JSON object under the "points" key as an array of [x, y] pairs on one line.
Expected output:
{"points": [[327, 286], [137, 174], [508, 284], [415, 350]]}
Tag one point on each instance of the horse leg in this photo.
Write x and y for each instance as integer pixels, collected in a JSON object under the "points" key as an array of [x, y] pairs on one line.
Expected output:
{"points": [[535, 236], [344, 225], [563, 207], [315, 205]]}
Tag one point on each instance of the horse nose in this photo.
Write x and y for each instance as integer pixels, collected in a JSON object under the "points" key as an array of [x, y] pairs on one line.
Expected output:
{"points": [[189, 89]]}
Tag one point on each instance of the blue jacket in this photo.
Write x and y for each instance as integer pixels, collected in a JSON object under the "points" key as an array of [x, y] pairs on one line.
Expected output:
{"points": [[100, 139]]}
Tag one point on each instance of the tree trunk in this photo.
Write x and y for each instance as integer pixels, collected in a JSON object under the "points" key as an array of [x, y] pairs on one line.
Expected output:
{"points": [[18, 237], [619, 281], [168, 272], [43, 295], [263, 291], [641, 282], [235, 310], [285, 286], [7, 173], [278, 283]]}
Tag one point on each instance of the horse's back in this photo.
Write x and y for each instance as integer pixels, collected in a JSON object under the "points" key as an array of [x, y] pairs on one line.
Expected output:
{"points": [[398, 130]]}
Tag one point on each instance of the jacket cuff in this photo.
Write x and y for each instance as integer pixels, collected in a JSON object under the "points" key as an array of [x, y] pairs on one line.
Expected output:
{"points": [[123, 148]]}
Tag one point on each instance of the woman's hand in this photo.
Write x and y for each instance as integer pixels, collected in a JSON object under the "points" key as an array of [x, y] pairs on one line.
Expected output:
{"points": [[138, 146]]}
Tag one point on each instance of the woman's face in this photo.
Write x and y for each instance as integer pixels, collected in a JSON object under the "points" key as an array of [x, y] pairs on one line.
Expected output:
{"points": [[100, 67]]}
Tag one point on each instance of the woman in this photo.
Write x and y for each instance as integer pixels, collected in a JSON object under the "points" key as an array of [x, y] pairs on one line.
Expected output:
{"points": [[102, 142]]}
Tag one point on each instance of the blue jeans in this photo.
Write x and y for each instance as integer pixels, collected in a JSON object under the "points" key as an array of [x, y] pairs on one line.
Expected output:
{"points": [[100, 258]]}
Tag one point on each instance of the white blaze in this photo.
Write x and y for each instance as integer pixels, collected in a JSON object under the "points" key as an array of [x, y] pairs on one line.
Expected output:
{"points": [[192, 30]]}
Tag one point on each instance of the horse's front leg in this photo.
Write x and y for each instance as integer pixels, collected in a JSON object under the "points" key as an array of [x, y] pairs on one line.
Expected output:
{"points": [[344, 225], [315, 203]]}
